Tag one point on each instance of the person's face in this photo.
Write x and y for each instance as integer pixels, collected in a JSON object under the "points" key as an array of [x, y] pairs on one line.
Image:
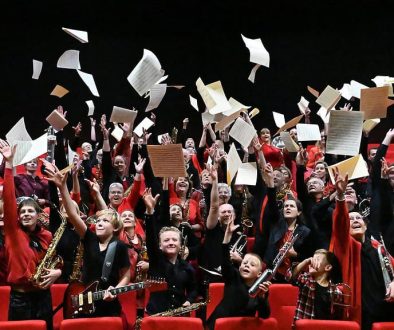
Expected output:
{"points": [[104, 227], [315, 185], [320, 171], [189, 143], [99, 156], [357, 226], [182, 185], [250, 267], [350, 195], [372, 153], [205, 178], [265, 136], [87, 147], [31, 165], [239, 188], [226, 213], [321, 265], [28, 217], [286, 176], [128, 219], [176, 213], [293, 134], [115, 196], [224, 195], [170, 243], [290, 209], [186, 155], [75, 159], [278, 179], [119, 164]]}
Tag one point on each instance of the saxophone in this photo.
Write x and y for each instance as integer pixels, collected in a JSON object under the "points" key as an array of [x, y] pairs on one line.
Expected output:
{"points": [[75, 275], [51, 260], [385, 264]]}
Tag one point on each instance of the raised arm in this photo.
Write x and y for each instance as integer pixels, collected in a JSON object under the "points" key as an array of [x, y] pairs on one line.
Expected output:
{"points": [[213, 215]]}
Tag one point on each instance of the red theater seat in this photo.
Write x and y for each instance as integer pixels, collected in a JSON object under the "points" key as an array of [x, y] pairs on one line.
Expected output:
{"points": [[283, 300], [4, 302], [250, 244], [173, 323], [383, 326], [94, 323], [28, 325], [246, 323], [128, 302], [216, 291], [57, 293], [326, 325]]}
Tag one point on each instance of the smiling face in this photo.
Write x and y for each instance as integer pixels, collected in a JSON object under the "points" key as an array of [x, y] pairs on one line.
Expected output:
{"points": [[224, 194], [189, 143], [358, 226], [115, 194], [182, 185], [279, 179], [290, 209], [176, 214], [170, 242], [28, 216], [31, 166], [265, 135], [320, 171], [128, 219], [250, 267], [119, 164], [87, 147], [226, 213]]}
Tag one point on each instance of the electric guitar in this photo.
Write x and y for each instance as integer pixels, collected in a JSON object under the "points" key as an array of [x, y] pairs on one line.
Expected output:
{"points": [[79, 299]]}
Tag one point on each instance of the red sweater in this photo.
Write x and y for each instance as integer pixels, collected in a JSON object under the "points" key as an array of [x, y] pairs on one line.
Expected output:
{"points": [[21, 258]]}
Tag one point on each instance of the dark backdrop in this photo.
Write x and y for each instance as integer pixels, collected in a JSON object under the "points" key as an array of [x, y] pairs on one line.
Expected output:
{"points": [[310, 43]]}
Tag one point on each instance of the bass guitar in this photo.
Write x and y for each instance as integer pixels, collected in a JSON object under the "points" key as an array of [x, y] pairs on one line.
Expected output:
{"points": [[79, 299]]}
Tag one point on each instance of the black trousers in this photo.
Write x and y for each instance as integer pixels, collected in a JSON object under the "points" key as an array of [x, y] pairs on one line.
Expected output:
{"points": [[35, 305]]}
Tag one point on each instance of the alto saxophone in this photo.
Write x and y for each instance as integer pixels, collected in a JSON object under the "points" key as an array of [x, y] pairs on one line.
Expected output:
{"points": [[75, 275], [51, 260]]}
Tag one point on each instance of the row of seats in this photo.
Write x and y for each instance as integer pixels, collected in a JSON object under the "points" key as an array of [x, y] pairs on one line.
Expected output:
{"points": [[282, 299]]}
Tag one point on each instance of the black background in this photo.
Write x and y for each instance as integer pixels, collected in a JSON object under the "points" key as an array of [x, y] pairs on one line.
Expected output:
{"points": [[310, 43]]}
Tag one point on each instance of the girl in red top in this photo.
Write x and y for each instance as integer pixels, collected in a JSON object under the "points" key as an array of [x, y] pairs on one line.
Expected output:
{"points": [[273, 155]]}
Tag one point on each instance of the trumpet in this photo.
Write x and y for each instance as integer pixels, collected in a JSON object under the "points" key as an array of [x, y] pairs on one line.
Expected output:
{"points": [[239, 244], [385, 264]]}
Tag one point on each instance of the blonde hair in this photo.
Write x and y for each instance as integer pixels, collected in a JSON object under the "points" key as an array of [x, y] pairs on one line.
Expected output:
{"points": [[115, 219], [171, 228]]}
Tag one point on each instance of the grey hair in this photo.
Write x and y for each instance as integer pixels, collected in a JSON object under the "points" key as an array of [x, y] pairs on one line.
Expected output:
{"points": [[225, 185]]}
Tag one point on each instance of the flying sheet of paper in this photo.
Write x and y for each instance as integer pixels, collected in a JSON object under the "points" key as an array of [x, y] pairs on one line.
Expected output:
{"points": [[381, 81], [90, 105], [303, 105], [370, 124], [328, 98], [69, 60], [322, 113], [313, 91], [235, 107], [258, 53], [146, 123], [37, 67], [252, 75], [22, 148], [81, 36], [242, 132], [123, 115], [56, 120], [254, 113], [247, 174], [346, 91], [70, 155], [291, 123], [174, 164], [34, 148], [193, 102], [89, 81], [146, 73], [213, 96], [227, 121], [356, 88], [156, 95], [308, 132], [59, 91], [117, 133], [356, 167], [233, 163], [344, 132], [279, 119], [207, 118], [290, 144], [18, 132], [373, 102]]}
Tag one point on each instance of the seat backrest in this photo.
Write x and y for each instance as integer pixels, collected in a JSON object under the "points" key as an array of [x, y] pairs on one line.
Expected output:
{"points": [[250, 244], [326, 325], [28, 325], [283, 300], [4, 302], [57, 294], [383, 326], [128, 301], [215, 291], [246, 323], [95, 323], [173, 323]]}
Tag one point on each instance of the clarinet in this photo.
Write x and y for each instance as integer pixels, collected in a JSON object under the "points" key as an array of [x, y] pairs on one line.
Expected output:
{"points": [[270, 273]]}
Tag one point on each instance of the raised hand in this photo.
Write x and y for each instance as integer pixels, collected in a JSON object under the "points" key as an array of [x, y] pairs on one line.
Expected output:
{"points": [[77, 129], [94, 186], [139, 168], [340, 182], [268, 175], [55, 176], [103, 121], [92, 121], [149, 200], [61, 111], [347, 107], [7, 151]]}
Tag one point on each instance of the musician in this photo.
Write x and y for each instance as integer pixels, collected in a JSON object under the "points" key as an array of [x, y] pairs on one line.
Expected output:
{"points": [[107, 226], [164, 261], [26, 244], [361, 266], [314, 277], [236, 300]]}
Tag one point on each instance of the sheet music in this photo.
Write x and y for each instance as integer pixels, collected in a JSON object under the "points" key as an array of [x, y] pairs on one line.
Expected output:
{"points": [[167, 160], [35, 148], [59, 91], [247, 174], [123, 115], [146, 123], [193, 102], [207, 118], [381, 81], [373, 102], [252, 74], [56, 120], [156, 95], [329, 98], [344, 132], [356, 167], [279, 119], [90, 105], [346, 92], [18, 132], [290, 145], [69, 60], [81, 36], [233, 163], [37, 67], [89, 81], [242, 132], [370, 124], [117, 133], [303, 105], [308, 132], [356, 88], [258, 53], [227, 121], [235, 106], [213, 96]]}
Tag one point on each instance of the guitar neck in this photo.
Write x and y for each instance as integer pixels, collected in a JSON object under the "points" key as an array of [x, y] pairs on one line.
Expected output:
{"points": [[98, 295]]}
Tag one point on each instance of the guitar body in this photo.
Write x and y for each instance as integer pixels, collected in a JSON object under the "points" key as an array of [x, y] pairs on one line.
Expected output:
{"points": [[77, 301]]}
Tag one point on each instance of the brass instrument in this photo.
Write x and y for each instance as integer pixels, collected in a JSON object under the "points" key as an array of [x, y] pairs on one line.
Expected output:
{"points": [[239, 244], [142, 256], [365, 207], [246, 222], [385, 264], [174, 135], [341, 297], [51, 142], [51, 260], [182, 251], [75, 275]]}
